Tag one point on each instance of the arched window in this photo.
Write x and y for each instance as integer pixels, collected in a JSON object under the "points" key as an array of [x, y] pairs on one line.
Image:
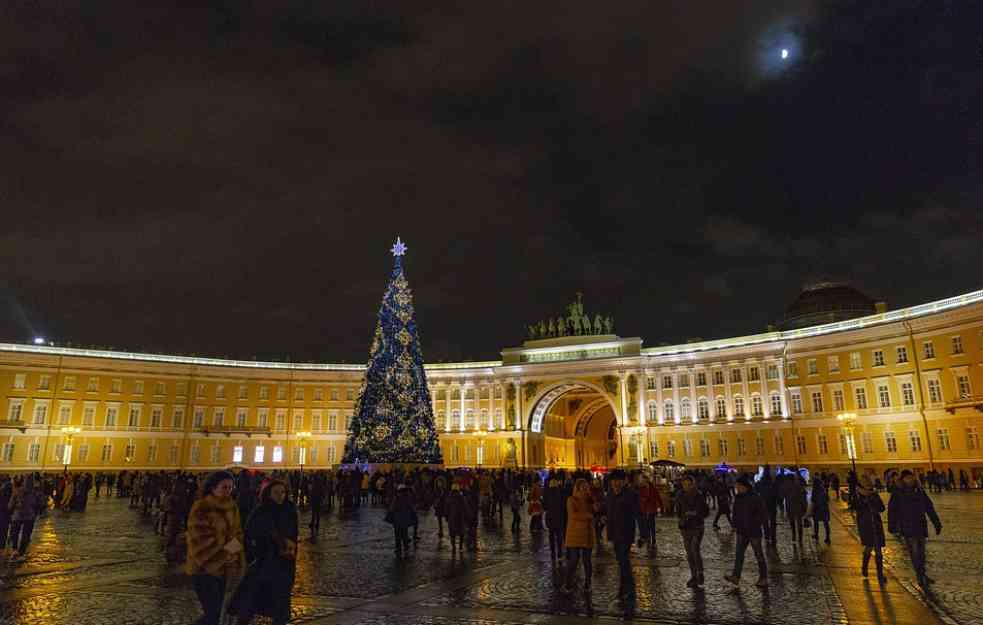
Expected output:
{"points": [[703, 408], [668, 411]]}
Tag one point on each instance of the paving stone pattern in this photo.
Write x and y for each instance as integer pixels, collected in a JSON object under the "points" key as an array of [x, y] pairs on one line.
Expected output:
{"points": [[106, 566]]}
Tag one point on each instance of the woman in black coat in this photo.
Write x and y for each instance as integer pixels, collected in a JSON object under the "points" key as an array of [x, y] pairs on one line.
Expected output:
{"points": [[820, 508], [870, 527], [271, 549]]}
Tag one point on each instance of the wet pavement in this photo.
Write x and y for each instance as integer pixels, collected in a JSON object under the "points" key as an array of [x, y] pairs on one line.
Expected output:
{"points": [[107, 566]]}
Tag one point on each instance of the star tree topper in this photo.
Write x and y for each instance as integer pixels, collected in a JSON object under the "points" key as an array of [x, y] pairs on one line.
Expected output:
{"points": [[399, 248]]}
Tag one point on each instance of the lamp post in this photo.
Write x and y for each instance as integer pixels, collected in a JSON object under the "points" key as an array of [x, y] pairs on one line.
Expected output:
{"points": [[302, 438], [849, 419], [66, 456], [480, 435]]}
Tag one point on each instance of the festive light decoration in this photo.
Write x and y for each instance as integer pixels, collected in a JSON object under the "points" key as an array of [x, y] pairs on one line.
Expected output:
{"points": [[393, 420]]}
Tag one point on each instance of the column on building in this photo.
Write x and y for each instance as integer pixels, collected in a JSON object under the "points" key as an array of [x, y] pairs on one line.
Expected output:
{"points": [[694, 407], [660, 402], [624, 397], [448, 411], [464, 394], [765, 391], [642, 398], [745, 391], [677, 408], [728, 395], [782, 391]]}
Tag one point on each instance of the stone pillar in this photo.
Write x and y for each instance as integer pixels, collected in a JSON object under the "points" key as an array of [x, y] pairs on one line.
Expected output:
{"points": [[677, 411], [660, 408], [781, 389], [728, 395], [624, 397], [464, 394], [642, 397]]}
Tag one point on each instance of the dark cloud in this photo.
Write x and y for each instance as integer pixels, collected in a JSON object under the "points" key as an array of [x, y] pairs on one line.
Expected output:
{"points": [[227, 179]]}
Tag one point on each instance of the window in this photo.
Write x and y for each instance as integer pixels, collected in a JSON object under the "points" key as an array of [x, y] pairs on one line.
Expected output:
{"points": [[779, 445], [316, 421], [116, 386], [957, 345], [891, 442], [902, 354], [684, 411], [334, 394], [220, 391], [195, 454], [671, 449], [58, 453], [152, 453], [129, 451], [928, 349], [44, 384], [752, 374], [704, 448], [469, 422], [177, 419], [319, 394], [237, 454], [331, 454], [735, 376], [801, 442], [772, 372], [160, 389], [718, 377], [812, 366], [855, 361], [298, 421], [721, 408], [654, 448], [89, 416], [134, 419], [823, 444], [817, 401], [172, 454], [833, 363], [860, 394], [111, 413], [796, 402], [40, 414], [182, 389], [138, 387], [883, 395], [281, 420], [649, 384], [701, 378], [667, 381], [793, 369], [722, 446], [93, 386], [943, 434], [298, 394], [684, 380], [264, 392], [972, 439], [199, 419], [200, 390], [439, 422], [844, 448], [34, 453], [333, 421], [156, 415], [20, 381], [668, 411], [69, 383], [756, 407], [83, 454], [962, 381], [278, 454], [703, 409], [218, 417], [281, 393], [759, 446], [263, 418], [215, 454], [915, 440], [8, 452], [243, 391], [241, 417], [687, 447], [934, 391], [878, 358], [838, 400], [739, 406], [313, 456], [64, 415], [258, 454], [107, 453], [907, 394], [867, 441], [776, 404], [350, 394]]}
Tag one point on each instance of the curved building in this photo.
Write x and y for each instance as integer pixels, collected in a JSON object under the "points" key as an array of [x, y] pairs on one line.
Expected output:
{"points": [[891, 389]]}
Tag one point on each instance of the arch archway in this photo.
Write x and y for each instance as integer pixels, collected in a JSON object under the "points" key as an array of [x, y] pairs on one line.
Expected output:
{"points": [[573, 423]]}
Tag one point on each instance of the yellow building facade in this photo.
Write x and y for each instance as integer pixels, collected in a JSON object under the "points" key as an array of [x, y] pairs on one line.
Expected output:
{"points": [[892, 389]]}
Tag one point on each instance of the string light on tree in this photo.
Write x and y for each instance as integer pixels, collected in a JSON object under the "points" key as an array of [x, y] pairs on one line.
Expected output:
{"points": [[393, 420]]}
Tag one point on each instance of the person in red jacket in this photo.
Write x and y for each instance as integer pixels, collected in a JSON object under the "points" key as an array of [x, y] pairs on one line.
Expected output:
{"points": [[649, 503]]}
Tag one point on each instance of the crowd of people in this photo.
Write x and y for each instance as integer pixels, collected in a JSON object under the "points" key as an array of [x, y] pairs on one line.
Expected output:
{"points": [[246, 525]]}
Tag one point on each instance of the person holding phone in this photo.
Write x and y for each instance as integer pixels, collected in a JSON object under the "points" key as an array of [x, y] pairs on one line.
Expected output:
{"points": [[215, 544]]}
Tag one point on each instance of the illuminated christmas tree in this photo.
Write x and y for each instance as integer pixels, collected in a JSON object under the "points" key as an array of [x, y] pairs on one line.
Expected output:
{"points": [[393, 420]]}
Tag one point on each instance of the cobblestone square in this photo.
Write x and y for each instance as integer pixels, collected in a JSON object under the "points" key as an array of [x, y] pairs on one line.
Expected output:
{"points": [[106, 566]]}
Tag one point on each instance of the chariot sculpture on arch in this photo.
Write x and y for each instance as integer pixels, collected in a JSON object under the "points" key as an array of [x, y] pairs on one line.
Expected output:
{"points": [[574, 322]]}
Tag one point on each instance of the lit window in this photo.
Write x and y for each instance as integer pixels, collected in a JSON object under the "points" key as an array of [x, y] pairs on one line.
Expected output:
{"points": [[793, 369], [891, 442], [278, 454], [668, 411], [833, 362], [855, 361], [813, 366], [258, 454], [907, 394], [883, 395], [721, 408], [860, 394], [20, 381], [739, 406], [796, 403], [776, 404], [684, 412], [934, 391], [772, 372], [838, 400]]}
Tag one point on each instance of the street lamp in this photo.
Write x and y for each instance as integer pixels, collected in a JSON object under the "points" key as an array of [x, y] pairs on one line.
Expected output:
{"points": [[302, 438], [480, 435], [849, 419], [66, 456]]}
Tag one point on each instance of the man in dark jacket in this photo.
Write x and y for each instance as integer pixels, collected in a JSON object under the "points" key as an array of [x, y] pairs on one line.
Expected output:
{"points": [[402, 512], [622, 513], [555, 503], [749, 517], [692, 510], [906, 512]]}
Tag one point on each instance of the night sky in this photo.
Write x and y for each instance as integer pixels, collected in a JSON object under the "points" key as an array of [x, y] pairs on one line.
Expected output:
{"points": [[228, 182]]}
